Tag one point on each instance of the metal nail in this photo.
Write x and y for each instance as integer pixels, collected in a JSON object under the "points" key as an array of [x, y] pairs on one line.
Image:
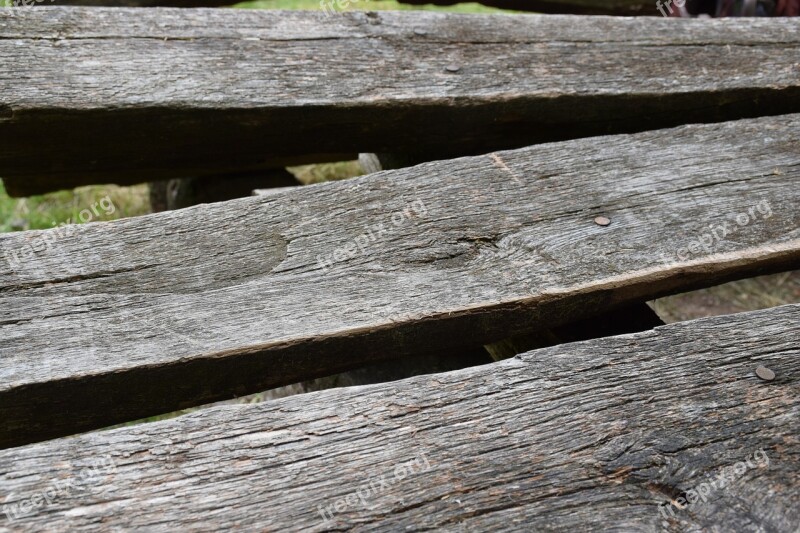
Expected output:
{"points": [[420, 32], [602, 221], [765, 373], [452, 68]]}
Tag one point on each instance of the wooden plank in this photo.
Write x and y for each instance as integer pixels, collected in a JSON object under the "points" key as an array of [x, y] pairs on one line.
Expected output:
{"points": [[628, 319], [117, 321], [121, 95], [274, 190], [597, 435]]}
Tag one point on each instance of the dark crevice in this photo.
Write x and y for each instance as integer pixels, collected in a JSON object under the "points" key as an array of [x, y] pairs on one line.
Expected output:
{"points": [[633, 318], [629, 319], [6, 112], [164, 38], [71, 279], [240, 133]]}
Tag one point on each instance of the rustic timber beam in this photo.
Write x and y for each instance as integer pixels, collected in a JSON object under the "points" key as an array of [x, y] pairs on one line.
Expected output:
{"points": [[667, 430], [116, 321], [159, 94]]}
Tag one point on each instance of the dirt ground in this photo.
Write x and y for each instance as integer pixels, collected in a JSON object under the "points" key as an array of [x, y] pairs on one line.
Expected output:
{"points": [[736, 297]]}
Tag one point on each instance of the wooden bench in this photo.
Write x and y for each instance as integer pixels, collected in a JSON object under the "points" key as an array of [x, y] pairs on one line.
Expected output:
{"points": [[112, 322], [430, 85], [584, 436]]}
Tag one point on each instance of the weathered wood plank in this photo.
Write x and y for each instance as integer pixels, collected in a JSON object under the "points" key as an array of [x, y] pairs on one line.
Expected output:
{"points": [[596, 435], [124, 95], [117, 321], [627, 319]]}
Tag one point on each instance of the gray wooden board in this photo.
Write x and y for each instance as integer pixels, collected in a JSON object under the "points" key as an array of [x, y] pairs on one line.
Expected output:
{"points": [[591, 436], [125, 95], [114, 321]]}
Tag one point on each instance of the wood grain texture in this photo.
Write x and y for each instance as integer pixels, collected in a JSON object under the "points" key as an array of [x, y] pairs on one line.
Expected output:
{"points": [[92, 95], [626, 319], [589, 436], [121, 320]]}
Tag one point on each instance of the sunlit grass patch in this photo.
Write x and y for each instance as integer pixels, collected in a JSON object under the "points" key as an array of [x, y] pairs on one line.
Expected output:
{"points": [[64, 207]]}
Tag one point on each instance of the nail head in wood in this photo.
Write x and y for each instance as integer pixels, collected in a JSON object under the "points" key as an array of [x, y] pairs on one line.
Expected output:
{"points": [[602, 221], [765, 373], [452, 68]]}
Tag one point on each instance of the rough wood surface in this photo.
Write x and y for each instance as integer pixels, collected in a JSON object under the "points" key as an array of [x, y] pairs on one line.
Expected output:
{"points": [[116, 321], [121, 95], [592, 436]]}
